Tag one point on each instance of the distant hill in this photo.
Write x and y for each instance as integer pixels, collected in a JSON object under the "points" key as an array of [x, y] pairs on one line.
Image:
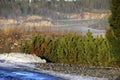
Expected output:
{"points": [[53, 8]]}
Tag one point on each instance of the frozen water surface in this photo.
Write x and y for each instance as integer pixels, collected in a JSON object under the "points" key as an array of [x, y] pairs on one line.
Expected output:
{"points": [[17, 66], [24, 75]]}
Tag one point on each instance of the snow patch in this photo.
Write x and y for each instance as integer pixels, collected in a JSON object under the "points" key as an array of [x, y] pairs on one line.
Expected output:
{"points": [[19, 59]]}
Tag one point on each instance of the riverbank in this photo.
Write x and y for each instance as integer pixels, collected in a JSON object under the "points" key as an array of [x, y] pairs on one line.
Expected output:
{"points": [[101, 72]]}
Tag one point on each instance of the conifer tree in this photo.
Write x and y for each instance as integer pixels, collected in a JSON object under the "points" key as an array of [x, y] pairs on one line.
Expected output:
{"points": [[115, 17], [114, 21]]}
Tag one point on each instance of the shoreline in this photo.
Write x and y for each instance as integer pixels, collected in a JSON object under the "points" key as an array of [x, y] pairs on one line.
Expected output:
{"points": [[107, 73], [33, 63], [101, 72]]}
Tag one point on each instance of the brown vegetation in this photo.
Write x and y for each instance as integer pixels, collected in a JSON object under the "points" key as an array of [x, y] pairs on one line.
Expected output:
{"points": [[11, 37]]}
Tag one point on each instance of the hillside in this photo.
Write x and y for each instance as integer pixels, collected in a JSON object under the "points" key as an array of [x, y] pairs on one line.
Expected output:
{"points": [[53, 9]]}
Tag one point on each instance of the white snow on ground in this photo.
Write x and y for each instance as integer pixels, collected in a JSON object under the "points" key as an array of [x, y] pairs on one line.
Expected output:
{"points": [[20, 60]]}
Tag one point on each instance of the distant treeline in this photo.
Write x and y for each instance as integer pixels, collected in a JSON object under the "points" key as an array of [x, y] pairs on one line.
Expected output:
{"points": [[14, 8]]}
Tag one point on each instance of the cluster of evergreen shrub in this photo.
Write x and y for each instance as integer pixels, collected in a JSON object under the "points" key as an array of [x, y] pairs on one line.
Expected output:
{"points": [[72, 49]]}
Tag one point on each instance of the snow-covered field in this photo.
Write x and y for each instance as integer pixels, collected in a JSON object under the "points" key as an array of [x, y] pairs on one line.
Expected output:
{"points": [[13, 60]]}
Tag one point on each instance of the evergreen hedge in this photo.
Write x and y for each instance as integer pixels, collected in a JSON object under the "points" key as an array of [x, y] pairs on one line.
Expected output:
{"points": [[72, 49]]}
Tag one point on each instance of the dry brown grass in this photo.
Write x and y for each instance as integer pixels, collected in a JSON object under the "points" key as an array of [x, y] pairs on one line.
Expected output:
{"points": [[11, 37], [8, 21], [33, 17], [12, 31]]}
